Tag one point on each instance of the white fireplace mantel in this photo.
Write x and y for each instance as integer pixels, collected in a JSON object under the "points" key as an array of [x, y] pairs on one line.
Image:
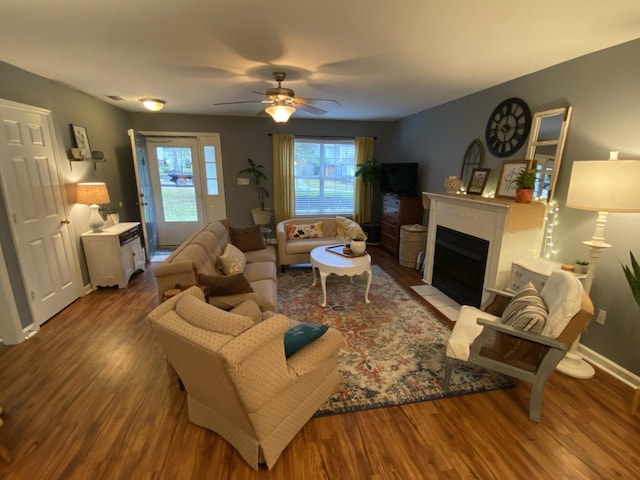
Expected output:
{"points": [[514, 230]]}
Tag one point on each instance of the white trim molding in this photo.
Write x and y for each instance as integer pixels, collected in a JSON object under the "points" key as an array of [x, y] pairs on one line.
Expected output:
{"points": [[609, 367]]}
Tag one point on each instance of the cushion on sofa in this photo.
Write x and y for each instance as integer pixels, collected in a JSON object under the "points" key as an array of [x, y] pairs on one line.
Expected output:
{"points": [[207, 317], [347, 228], [260, 271], [226, 285], [232, 260], [267, 254], [300, 231], [247, 238], [197, 255], [250, 309], [302, 335]]}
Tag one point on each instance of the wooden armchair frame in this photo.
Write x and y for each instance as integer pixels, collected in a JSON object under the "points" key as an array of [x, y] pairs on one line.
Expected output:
{"points": [[524, 355]]}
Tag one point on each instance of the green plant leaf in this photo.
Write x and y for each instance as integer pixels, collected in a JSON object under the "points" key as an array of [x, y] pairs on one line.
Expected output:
{"points": [[633, 277]]}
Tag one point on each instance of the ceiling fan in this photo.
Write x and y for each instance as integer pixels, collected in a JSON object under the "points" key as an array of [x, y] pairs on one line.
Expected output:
{"points": [[282, 102]]}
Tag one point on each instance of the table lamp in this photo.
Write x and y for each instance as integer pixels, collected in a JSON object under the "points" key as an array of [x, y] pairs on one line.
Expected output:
{"points": [[603, 186], [92, 194]]}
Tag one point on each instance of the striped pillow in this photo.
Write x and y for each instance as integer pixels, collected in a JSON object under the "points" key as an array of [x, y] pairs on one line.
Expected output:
{"points": [[526, 310]]}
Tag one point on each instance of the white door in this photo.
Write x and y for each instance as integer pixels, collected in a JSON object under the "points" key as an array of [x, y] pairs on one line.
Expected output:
{"points": [[36, 206], [174, 164], [145, 192]]}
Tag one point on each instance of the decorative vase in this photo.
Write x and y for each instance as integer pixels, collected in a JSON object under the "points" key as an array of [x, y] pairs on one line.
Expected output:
{"points": [[358, 246], [451, 184], [524, 195]]}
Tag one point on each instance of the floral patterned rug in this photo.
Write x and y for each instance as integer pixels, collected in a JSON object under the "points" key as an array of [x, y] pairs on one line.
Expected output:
{"points": [[394, 348]]}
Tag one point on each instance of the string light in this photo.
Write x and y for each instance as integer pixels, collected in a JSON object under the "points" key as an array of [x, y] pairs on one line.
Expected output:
{"points": [[550, 221]]}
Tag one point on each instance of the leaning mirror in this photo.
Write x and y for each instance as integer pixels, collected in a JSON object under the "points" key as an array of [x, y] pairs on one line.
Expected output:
{"points": [[472, 159], [546, 144]]}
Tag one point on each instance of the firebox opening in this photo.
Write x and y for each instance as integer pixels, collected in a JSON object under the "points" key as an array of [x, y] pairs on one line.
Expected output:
{"points": [[459, 265]]}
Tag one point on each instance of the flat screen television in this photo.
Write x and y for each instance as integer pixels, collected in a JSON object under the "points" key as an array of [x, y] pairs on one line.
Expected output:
{"points": [[399, 178]]}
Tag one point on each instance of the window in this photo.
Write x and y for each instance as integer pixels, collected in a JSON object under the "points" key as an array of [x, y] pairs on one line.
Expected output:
{"points": [[324, 174], [211, 169]]}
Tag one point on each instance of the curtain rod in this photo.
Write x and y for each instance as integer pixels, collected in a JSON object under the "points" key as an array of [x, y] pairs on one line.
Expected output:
{"points": [[322, 136]]}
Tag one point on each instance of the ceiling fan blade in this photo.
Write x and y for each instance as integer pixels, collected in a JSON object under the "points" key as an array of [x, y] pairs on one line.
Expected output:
{"points": [[310, 109], [233, 103], [307, 101]]}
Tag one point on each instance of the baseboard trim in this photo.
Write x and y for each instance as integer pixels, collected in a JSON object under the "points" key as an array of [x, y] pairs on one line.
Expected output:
{"points": [[609, 367]]}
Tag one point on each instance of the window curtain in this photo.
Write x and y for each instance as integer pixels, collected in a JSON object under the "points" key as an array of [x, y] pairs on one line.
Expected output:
{"points": [[283, 177], [362, 206]]}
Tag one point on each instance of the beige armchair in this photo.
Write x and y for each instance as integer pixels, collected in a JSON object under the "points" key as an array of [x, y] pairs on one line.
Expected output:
{"points": [[485, 338], [239, 383]]}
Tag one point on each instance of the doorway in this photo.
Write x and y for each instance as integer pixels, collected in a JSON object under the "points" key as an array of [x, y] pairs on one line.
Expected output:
{"points": [[177, 196]]}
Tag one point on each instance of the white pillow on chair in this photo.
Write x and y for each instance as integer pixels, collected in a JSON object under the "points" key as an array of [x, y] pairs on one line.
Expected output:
{"points": [[563, 295]]}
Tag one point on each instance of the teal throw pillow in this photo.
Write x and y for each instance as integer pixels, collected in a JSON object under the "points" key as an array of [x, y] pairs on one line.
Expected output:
{"points": [[301, 335]]}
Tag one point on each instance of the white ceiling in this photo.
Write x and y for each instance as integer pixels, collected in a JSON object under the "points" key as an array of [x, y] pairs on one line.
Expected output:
{"points": [[381, 59]]}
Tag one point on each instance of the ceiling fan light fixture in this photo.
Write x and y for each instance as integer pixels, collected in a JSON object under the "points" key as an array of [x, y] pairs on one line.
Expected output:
{"points": [[280, 113], [153, 104]]}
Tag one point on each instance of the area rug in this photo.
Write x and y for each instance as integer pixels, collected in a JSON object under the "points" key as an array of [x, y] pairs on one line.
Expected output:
{"points": [[394, 349]]}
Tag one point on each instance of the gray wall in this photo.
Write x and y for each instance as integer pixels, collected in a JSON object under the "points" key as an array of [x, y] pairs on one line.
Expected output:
{"points": [[602, 89], [248, 137]]}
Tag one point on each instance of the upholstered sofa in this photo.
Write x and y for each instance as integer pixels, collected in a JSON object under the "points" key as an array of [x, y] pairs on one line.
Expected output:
{"points": [[335, 230], [239, 381], [197, 261]]}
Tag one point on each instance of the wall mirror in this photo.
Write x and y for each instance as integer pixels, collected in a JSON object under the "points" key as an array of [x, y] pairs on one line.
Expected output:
{"points": [[546, 144]]}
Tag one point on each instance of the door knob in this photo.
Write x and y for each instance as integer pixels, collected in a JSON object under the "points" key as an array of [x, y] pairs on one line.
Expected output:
{"points": [[64, 221]]}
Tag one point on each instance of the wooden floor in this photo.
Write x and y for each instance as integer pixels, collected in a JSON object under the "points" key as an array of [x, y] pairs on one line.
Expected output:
{"points": [[89, 398]]}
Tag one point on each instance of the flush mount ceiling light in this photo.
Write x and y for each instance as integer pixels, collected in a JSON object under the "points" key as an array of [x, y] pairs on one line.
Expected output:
{"points": [[153, 104], [280, 112]]}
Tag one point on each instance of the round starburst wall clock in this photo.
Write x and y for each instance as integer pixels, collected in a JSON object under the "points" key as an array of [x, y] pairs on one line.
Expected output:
{"points": [[508, 127]]}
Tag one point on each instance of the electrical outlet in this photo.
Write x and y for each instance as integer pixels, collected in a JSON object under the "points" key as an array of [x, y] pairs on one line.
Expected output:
{"points": [[602, 317]]}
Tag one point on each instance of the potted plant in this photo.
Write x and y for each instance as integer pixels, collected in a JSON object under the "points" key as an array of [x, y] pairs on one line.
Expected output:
{"points": [[581, 266], [633, 277], [369, 171], [525, 181], [262, 215]]}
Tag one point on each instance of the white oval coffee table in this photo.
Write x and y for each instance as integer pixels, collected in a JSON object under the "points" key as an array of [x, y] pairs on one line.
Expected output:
{"points": [[328, 262]]}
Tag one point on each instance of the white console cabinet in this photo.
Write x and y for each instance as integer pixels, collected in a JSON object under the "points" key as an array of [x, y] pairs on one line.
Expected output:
{"points": [[534, 270], [114, 254]]}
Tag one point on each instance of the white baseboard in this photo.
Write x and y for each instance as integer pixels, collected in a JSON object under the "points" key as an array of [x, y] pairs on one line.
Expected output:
{"points": [[609, 367]]}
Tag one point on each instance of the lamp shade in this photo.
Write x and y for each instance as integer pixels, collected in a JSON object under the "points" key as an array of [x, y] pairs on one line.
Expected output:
{"points": [[91, 193], [605, 186], [280, 113]]}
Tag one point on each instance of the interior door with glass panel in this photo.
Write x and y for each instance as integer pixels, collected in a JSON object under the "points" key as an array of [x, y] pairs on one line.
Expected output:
{"points": [[177, 187]]}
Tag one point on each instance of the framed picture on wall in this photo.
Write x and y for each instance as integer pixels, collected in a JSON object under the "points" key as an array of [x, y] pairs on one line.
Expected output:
{"points": [[509, 171], [82, 140], [478, 180]]}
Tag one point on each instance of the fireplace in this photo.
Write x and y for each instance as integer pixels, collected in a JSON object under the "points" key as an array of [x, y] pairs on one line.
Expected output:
{"points": [[509, 231], [459, 264]]}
